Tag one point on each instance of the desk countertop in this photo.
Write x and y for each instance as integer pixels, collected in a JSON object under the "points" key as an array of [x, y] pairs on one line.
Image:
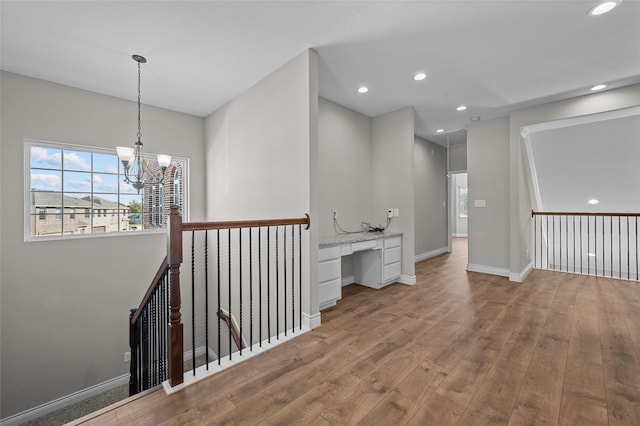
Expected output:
{"points": [[336, 240]]}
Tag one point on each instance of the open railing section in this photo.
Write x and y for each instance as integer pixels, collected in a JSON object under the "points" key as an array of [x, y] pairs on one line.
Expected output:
{"points": [[148, 334], [245, 288], [599, 244]]}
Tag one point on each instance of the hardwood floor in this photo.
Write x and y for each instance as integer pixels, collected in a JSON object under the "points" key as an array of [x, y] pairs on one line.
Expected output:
{"points": [[458, 348]]}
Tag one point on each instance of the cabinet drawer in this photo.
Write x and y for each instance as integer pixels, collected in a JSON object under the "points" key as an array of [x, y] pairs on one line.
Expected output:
{"points": [[329, 253], [329, 291], [392, 271], [329, 270], [392, 255], [393, 242], [363, 245]]}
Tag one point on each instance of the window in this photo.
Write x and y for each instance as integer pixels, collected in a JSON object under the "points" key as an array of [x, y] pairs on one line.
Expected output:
{"points": [[63, 179], [463, 201]]}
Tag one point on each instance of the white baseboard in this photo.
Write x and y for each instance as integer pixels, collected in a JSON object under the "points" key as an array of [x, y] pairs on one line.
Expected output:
{"points": [[348, 280], [407, 279], [311, 321], [488, 270], [188, 355], [518, 278], [41, 410], [429, 254]]}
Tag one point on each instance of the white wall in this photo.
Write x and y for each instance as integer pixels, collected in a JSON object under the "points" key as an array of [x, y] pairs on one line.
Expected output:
{"points": [[65, 303], [488, 173], [261, 148], [392, 178], [430, 195]]}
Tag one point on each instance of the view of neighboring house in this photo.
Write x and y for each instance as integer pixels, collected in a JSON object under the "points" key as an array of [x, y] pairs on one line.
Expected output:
{"points": [[53, 213]]}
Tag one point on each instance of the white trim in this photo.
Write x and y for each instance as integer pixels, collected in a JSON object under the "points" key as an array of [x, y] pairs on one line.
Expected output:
{"points": [[460, 235], [407, 279], [429, 254], [57, 404], [348, 280], [518, 278], [203, 373], [488, 270], [311, 321]]}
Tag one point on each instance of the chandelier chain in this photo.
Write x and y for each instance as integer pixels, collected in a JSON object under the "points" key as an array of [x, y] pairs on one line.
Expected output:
{"points": [[139, 131]]}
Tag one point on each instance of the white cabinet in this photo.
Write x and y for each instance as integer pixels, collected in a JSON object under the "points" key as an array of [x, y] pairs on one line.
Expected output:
{"points": [[377, 262], [329, 276]]}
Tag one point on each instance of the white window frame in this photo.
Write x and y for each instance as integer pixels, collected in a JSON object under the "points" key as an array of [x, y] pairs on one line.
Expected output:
{"points": [[29, 143]]}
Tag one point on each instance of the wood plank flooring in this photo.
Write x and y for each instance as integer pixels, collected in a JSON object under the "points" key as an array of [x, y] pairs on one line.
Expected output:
{"points": [[458, 348]]}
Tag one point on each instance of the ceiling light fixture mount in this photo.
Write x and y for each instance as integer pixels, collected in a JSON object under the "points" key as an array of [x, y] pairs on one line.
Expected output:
{"points": [[136, 168], [363, 89]]}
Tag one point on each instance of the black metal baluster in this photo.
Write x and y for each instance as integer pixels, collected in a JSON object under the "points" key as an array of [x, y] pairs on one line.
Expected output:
{"points": [[240, 289], [269, 284], [588, 246], [300, 269], [206, 296], [548, 266], [193, 303], [229, 290], [566, 222], [219, 354], [595, 243], [284, 287], [535, 241], [628, 254], [611, 243], [277, 286], [293, 291], [619, 249], [637, 248], [560, 240], [573, 220], [251, 289], [260, 285]]}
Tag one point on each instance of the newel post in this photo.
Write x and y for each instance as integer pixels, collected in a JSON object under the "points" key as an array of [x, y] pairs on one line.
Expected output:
{"points": [[174, 257]]}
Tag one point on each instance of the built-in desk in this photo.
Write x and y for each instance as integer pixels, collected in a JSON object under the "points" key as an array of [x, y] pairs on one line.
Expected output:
{"points": [[376, 262]]}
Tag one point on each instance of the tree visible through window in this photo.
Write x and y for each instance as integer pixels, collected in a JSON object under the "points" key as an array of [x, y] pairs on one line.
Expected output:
{"points": [[64, 178], [463, 201]]}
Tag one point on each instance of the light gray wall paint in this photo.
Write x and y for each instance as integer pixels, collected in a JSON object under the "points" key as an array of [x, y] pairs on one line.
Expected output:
{"points": [[344, 167], [430, 194], [459, 224], [458, 158], [260, 149], [520, 201], [392, 177], [65, 303], [488, 174]]}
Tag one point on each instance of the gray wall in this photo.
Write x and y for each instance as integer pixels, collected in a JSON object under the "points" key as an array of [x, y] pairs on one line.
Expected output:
{"points": [[488, 173], [458, 158], [430, 195], [65, 303], [260, 148], [345, 167], [392, 177]]}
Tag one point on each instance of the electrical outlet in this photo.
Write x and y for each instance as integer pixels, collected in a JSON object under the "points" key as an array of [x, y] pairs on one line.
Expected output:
{"points": [[390, 213], [396, 212], [526, 253], [335, 214], [127, 357]]}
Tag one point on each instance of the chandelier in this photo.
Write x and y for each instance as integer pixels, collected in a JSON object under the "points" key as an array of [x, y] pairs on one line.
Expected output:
{"points": [[137, 171]]}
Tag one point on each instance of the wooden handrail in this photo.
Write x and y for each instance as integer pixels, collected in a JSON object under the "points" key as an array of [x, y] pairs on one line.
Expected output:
{"points": [[162, 269], [206, 226], [583, 214], [232, 329]]}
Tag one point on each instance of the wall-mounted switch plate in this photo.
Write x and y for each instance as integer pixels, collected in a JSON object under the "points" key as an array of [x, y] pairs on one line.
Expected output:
{"points": [[396, 212], [127, 357], [480, 203]]}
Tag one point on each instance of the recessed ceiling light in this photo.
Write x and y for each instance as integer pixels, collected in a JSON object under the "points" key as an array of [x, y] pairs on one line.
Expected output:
{"points": [[420, 76], [461, 108], [604, 7], [598, 87], [593, 201], [440, 131], [363, 89]]}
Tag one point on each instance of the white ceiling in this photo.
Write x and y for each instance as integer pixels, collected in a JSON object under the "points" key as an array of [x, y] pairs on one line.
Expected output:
{"points": [[493, 56]]}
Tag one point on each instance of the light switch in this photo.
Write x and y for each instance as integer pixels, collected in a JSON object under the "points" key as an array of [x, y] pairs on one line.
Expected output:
{"points": [[481, 203], [396, 212]]}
